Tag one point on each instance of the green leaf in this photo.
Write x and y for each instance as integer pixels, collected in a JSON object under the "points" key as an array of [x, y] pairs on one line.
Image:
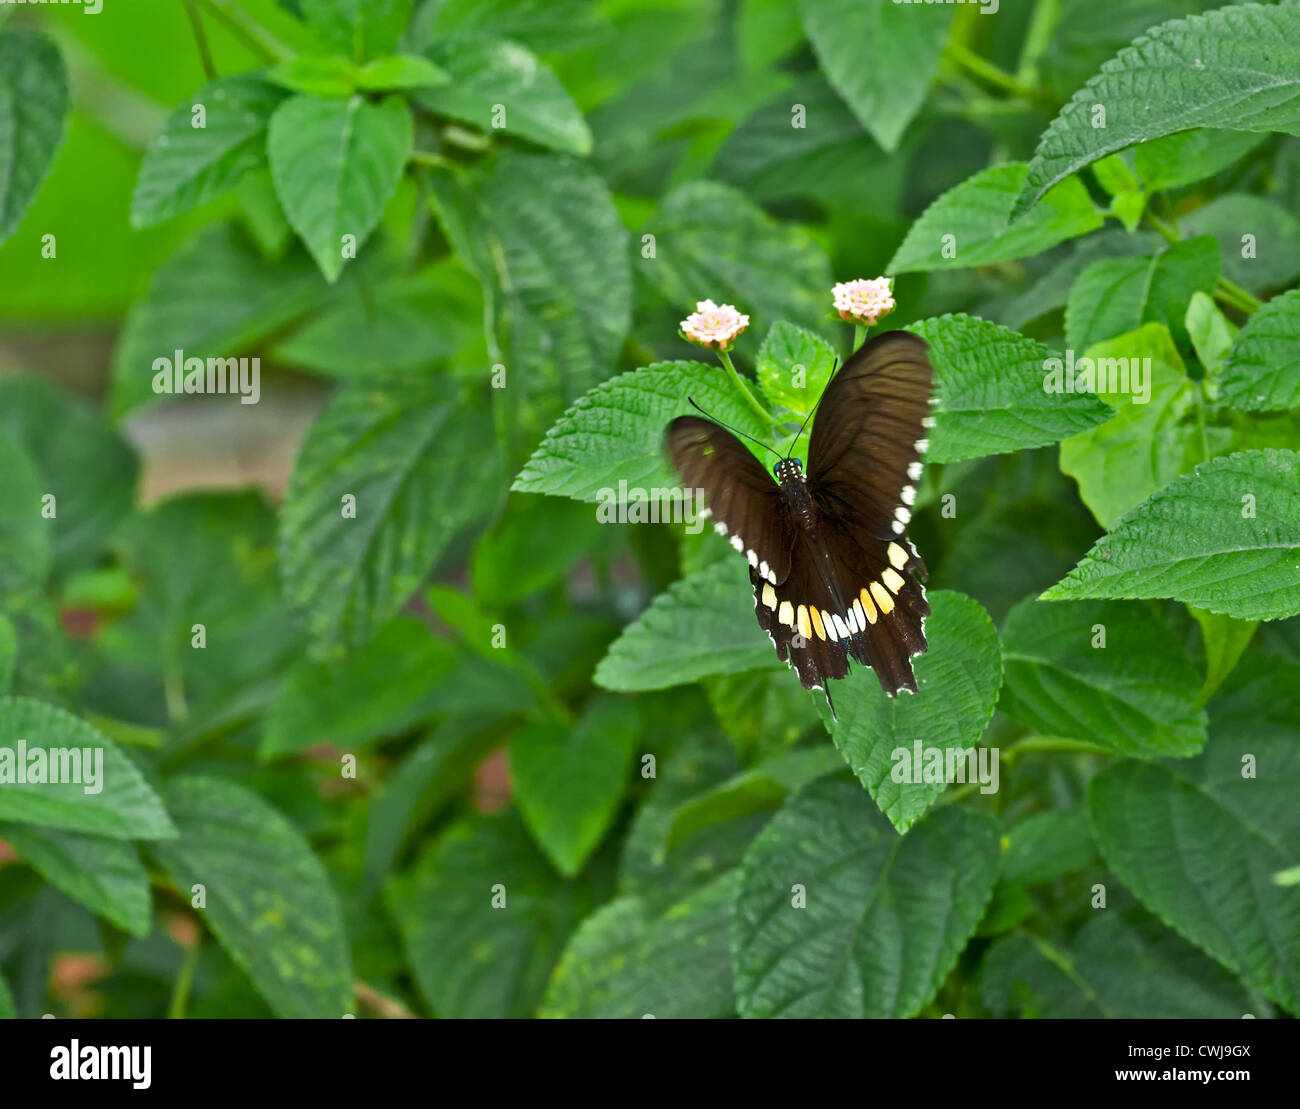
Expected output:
{"points": [[33, 111], [100, 792], [318, 74], [472, 958], [105, 875], [764, 786], [26, 537], [421, 468], [187, 165], [1047, 845], [626, 960], [1105, 673], [336, 164], [359, 28], [399, 329], [88, 468], [793, 367], [8, 652], [1259, 240], [957, 680], [616, 432], [268, 898], [967, 226], [1148, 442], [569, 779], [1225, 640], [498, 85], [712, 241], [830, 159], [880, 57], [1242, 74], [1194, 542], [8, 1011], [1124, 965], [990, 384], [760, 709], [537, 544], [215, 297], [203, 559], [401, 71], [1116, 295], [704, 624], [1211, 332], [547, 26], [380, 690], [430, 774], [567, 280], [1198, 843], [1187, 156], [1262, 370], [885, 917]]}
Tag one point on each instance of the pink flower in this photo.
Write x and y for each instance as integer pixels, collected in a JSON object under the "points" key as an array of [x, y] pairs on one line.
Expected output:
{"points": [[713, 325], [863, 301]]}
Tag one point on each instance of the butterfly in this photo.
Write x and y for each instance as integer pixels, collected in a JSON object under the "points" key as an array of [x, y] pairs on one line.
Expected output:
{"points": [[835, 576]]}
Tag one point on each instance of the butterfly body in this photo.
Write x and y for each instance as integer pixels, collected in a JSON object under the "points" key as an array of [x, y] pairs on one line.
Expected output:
{"points": [[834, 574]]}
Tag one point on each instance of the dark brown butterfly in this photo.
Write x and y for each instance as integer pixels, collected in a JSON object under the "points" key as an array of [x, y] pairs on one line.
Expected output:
{"points": [[832, 567]]}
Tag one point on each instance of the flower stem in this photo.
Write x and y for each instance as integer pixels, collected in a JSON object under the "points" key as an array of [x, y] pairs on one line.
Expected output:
{"points": [[762, 412]]}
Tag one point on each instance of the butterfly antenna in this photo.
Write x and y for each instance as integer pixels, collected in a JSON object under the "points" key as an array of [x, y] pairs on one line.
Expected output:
{"points": [[813, 409], [734, 430]]}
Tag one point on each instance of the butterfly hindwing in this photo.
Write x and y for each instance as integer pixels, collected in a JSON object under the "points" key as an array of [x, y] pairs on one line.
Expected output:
{"points": [[744, 501]]}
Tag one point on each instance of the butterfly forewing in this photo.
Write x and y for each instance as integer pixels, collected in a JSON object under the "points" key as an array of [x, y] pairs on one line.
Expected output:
{"points": [[744, 502], [869, 434]]}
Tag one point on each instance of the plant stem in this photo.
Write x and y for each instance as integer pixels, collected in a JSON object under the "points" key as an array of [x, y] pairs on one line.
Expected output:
{"points": [[859, 336], [1230, 291], [761, 412], [1036, 743], [201, 40], [380, 1004], [1041, 26], [251, 33], [965, 58], [184, 980], [1200, 419], [428, 158]]}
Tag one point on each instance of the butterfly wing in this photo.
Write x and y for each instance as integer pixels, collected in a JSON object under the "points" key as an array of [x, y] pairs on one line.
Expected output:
{"points": [[744, 502], [864, 460]]}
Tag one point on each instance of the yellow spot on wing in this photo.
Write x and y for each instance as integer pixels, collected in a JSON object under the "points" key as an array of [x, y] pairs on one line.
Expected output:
{"points": [[897, 556], [869, 605], [883, 599], [817, 622], [786, 615], [805, 626], [769, 597], [893, 581]]}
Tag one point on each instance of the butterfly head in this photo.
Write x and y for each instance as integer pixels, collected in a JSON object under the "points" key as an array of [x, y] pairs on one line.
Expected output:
{"points": [[788, 469]]}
